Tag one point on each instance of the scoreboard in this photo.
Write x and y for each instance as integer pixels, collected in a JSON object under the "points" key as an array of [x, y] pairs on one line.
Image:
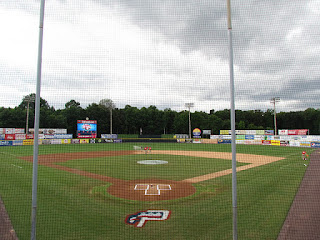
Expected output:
{"points": [[86, 128]]}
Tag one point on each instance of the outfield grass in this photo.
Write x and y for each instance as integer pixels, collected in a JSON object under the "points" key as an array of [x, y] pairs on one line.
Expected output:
{"points": [[68, 208]]}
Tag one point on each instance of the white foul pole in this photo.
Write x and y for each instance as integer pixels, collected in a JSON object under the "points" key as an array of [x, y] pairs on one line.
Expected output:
{"points": [[233, 127], [36, 128]]}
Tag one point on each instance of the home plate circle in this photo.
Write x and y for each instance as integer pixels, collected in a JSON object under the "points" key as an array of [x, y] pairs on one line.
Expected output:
{"points": [[151, 189], [152, 162]]}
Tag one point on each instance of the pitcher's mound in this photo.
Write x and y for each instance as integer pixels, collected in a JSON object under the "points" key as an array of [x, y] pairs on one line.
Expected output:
{"points": [[152, 162]]}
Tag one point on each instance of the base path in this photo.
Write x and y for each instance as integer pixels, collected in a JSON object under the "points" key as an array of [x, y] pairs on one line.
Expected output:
{"points": [[254, 160], [303, 219]]}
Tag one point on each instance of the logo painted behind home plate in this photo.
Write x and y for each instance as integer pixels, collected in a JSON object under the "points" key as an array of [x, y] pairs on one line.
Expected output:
{"points": [[139, 219]]}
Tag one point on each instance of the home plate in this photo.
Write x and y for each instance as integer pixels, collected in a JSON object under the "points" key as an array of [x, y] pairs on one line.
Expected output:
{"points": [[152, 162]]}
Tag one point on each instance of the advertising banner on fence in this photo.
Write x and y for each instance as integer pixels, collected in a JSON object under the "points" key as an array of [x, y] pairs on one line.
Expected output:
{"points": [[19, 130], [315, 144], [251, 132], [239, 141], [17, 143], [20, 136], [225, 136], [266, 142], [283, 132], [10, 136], [224, 132], [249, 137], [260, 132], [109, 136], [275, 142], [65, 141], [197, 140], [5, 143], [258, 137], [284, 143], [298, 132], [10, 131], [214, 136], [224, 141], [46, 141], [268, 132], [55, 141], [241, 137], [28, 142], [206, 132], [29, 136], [84, 141], [2, 136], [181, 136], [293, 131], [62, 136], [241, 132], [305, 144], [75, 141], [50, 131], [294, 144]]}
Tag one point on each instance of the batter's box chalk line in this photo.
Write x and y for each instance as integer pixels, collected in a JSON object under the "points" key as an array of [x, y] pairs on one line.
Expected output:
{"points": [[152, 189]]}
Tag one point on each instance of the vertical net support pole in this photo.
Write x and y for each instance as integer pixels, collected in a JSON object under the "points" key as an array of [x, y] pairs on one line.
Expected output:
{"points": [[233, 131], [36, 127]]}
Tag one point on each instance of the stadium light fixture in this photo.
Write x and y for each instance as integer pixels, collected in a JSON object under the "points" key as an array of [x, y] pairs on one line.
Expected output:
{"points": [[274, 101], [189, 105]]}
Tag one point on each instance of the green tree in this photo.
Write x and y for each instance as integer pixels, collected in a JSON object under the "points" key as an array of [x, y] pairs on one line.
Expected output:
{"points": [[108, 104], [72, 113]]}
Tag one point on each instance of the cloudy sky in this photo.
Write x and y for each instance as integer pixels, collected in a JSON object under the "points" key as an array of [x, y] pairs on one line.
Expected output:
{"points": [[164, 53]]}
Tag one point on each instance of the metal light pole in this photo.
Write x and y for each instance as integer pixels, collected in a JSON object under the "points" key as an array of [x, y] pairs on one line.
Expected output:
{"points": [[36, 127], [233, 128], [189, 105], [28, 99], [111, 120], [274, 101]]}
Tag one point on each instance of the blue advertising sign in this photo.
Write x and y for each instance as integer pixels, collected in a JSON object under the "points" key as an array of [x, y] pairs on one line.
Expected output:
{"points": [[315, 144], [224, 141], [249, 137], [5, 143]]}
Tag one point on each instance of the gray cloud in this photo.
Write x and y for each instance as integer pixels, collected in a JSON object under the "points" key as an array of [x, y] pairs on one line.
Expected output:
{"points": [[276, 51]]}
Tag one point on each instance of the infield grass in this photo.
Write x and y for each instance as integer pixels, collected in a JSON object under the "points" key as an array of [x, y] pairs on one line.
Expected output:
{"points": [[126, 167], [68, 208]]}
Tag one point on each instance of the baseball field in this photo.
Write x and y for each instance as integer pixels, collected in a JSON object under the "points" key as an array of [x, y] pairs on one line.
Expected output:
{"points": [[111, 191]]}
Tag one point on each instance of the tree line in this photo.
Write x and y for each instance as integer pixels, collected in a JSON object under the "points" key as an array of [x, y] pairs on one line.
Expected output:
{"points": [[129, 120]]}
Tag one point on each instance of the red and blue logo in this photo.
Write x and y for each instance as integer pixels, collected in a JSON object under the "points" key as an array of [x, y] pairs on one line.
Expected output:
{"points": [[139, 219]]}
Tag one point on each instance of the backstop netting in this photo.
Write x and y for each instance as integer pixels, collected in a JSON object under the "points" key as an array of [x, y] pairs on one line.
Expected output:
{"points": [[135, 137]]}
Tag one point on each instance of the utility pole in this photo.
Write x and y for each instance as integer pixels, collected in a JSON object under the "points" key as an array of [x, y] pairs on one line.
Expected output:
{"points": [[274, 101], [28, 99], [189, 105]]}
